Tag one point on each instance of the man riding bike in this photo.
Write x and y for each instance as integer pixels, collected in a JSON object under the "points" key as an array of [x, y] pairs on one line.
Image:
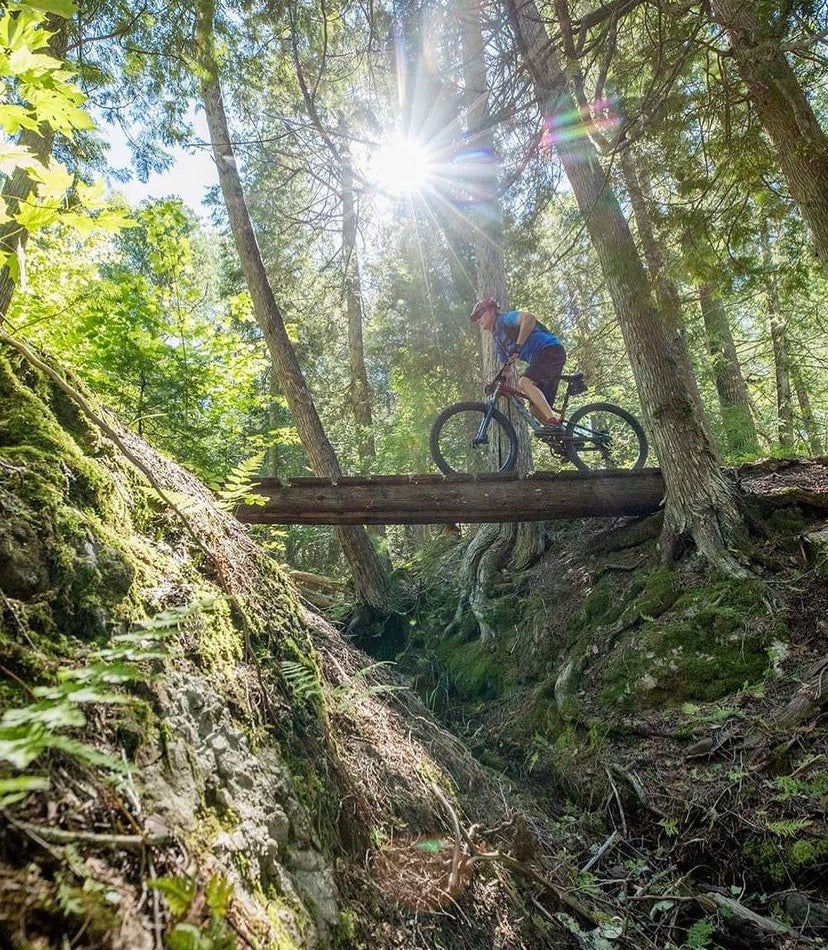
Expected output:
{"points": [[518, 334]]}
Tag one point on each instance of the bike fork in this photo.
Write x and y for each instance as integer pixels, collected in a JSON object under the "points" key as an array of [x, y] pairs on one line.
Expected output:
{"points": [[482, 437]]}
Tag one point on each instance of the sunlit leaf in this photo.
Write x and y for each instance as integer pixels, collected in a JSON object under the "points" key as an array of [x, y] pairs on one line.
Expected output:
{"points": [[16, 156], [15, 789], [13, 118], [54, 178], [62, 8]]}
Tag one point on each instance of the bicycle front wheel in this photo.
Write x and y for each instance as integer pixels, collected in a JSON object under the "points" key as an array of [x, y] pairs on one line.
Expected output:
{"points": [[603, 437], [462, 445]]}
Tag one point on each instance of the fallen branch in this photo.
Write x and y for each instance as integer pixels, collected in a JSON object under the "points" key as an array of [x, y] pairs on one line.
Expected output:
{"points": [[711, 901], [314, 580], [608, 845], [472, 854], [62, 836], [637, 786]]}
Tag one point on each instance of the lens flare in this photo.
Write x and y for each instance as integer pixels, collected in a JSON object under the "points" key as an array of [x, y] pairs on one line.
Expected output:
{"points": [[601, 116], [401, 167]]}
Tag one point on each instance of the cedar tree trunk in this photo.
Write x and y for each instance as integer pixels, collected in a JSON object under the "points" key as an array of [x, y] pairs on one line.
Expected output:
{"points": [[371, 581], [783, 109], [360, 391], [700, 501], [494, 546], [734, 403], [811, 429], [779, 342], [666, 291]]}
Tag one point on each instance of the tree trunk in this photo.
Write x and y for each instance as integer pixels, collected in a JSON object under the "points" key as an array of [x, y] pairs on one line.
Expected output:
{"points": [[371, 582], [666, 290], [737, 419], [360, 391], [784, 111], [19, 185], [779, 341], [699, 501], [494, 546], [271, 466], [815, 443]]}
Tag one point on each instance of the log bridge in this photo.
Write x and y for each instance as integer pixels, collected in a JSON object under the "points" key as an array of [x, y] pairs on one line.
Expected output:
{"points": [[451, 499]]}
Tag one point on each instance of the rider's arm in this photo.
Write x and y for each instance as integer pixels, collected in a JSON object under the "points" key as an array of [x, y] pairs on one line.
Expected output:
{"points": [[526, 323]]}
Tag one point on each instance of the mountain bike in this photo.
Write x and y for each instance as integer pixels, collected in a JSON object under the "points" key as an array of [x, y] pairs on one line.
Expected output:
{"points": [[477, 438]]}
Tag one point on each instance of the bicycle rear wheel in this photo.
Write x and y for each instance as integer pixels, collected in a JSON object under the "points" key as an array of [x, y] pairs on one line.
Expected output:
{"points": [[604, 437], [457, 447]]}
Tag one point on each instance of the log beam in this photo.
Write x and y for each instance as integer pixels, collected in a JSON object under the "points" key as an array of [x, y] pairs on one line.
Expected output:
{"points": [[438, 499]]}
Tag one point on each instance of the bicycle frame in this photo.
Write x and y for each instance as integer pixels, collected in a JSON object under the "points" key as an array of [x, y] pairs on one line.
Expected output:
{"points": [[500, 387]]}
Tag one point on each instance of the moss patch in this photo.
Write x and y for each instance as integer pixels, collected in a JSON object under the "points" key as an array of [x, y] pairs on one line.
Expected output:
{"points": [[65, 531], [777, 858], [474, 668], [714, 641]]}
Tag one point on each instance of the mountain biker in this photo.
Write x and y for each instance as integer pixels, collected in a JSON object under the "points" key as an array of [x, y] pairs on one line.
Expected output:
{"points": [[518, 334]]}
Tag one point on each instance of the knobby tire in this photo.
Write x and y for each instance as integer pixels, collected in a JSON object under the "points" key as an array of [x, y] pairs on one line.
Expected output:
{"points": [[460, 458], [583, 451]]}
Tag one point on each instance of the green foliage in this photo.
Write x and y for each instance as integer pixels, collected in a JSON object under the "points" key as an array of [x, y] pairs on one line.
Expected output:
{"points": [[39, 93], [699, 935], [149, 332], [179, 894], [27, 733], [302, 679], [237, 489], [788, 827]]}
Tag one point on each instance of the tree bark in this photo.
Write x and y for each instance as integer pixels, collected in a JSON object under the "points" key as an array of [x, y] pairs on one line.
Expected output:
{"points": [[779, 342], [815, 442], [495, 546], [360, 391], [19, 185], [272, 460], [734, 403], [784, 111], [371, 582], [700, 502], [665, 287]]}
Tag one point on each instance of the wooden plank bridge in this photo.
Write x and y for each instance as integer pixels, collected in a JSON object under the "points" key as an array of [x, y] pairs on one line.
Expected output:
{"points": [[464, 499]]}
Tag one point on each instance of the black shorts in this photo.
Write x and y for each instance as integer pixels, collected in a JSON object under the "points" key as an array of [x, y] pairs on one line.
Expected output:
{"points": [[545, 371]]}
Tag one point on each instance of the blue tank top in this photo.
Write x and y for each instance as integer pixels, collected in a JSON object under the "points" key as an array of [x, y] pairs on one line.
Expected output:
{"points": [[506, 333]]}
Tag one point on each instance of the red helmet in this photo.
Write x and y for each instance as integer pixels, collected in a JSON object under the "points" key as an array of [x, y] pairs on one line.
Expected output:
{"points": [[481, 307]]}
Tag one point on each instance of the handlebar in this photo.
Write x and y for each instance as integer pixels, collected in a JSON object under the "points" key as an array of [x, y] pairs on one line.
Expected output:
{"points": [[498, 380]]}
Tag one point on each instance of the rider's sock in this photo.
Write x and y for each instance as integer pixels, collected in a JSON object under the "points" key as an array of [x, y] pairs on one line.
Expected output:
{"points": [[553, 421]]}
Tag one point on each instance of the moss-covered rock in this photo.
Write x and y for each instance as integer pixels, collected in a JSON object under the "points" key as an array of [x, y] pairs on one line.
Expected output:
{"points": [[714, 641], [65, 535], [474, 668]]}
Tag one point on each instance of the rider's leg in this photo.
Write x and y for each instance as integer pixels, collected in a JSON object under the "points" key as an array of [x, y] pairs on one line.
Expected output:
{"points": [[541, 409], [540, 382]]}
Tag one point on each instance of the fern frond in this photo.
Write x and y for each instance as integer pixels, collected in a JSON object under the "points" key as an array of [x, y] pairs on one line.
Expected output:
{"points": [[301, 680], [787, 827], [237, 489]]}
